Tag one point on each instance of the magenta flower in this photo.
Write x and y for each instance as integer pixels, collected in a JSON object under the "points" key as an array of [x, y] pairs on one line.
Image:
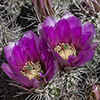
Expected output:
{"points": [[29, 62], [69, 40], [95, 94], [43, 8]]}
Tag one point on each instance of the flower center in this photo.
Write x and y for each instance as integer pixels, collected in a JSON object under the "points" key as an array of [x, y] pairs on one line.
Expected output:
{"points": [[65, 50], [32, 70]]}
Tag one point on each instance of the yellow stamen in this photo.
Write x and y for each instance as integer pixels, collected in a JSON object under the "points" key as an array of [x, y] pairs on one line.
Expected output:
{"points": [[32, 70], [65, 50]]}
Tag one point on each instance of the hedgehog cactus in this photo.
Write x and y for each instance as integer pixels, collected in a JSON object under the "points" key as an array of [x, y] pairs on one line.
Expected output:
{"points": [[93, 4]]}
